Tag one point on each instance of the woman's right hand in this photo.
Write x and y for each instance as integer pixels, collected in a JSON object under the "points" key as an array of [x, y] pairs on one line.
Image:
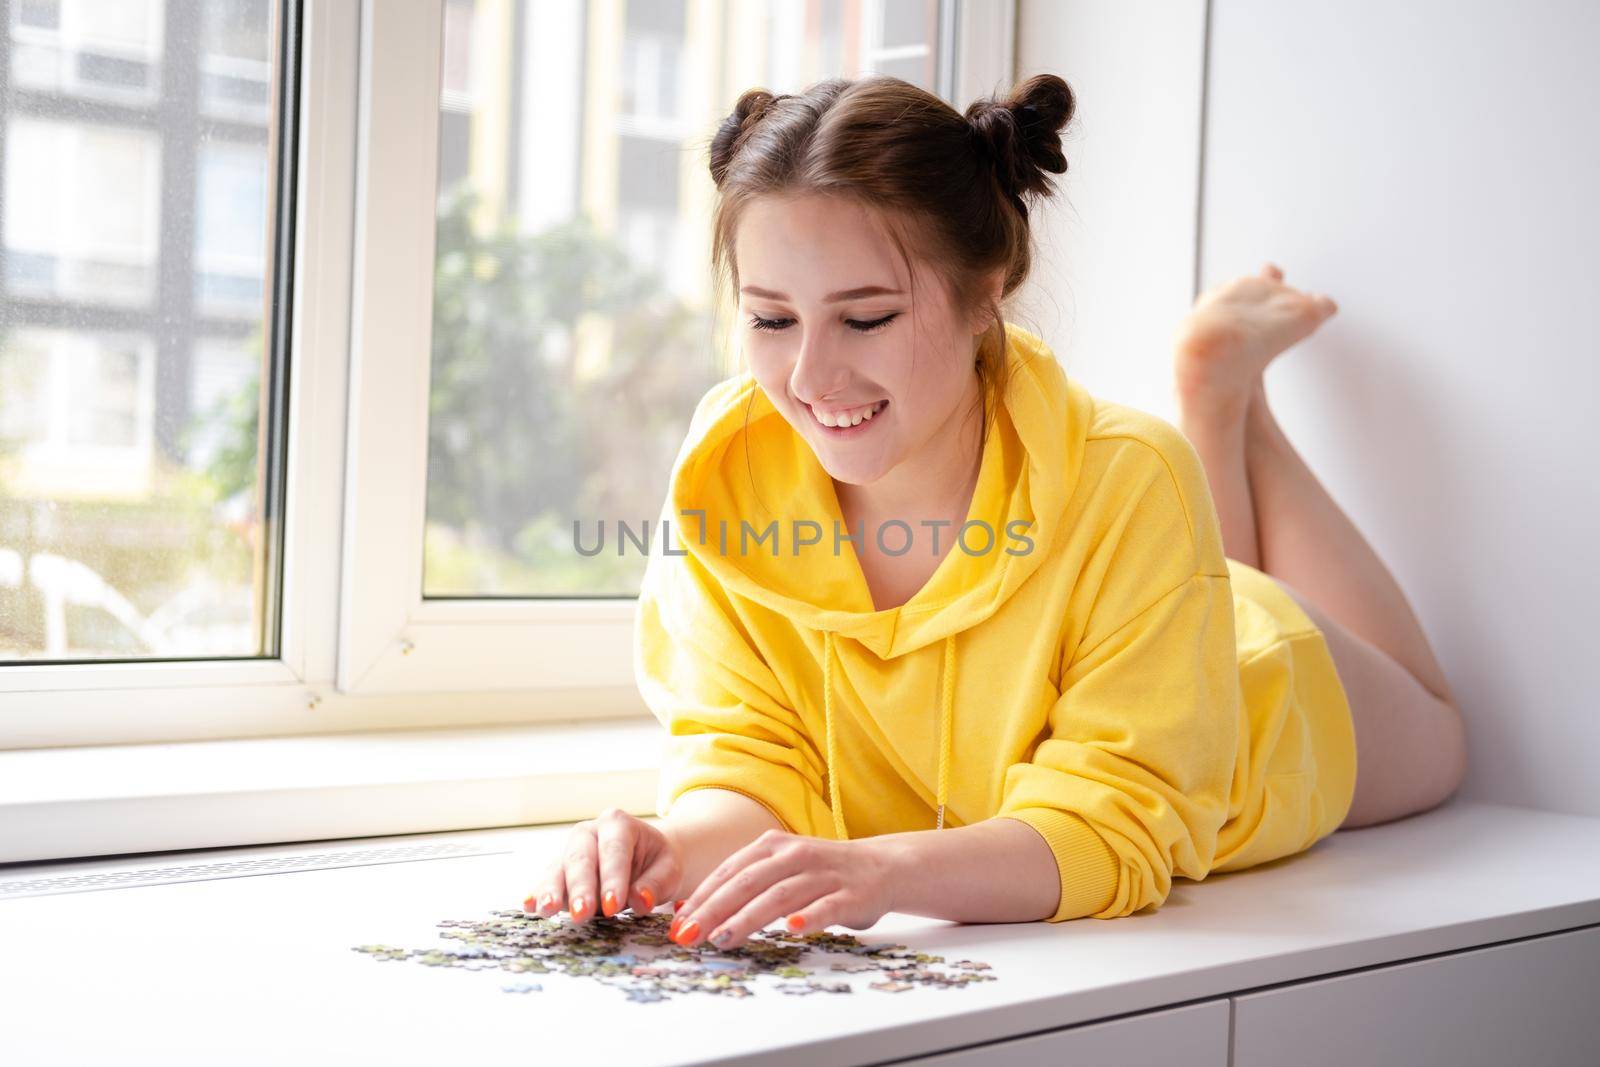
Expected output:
{"points": [[614, 859]]}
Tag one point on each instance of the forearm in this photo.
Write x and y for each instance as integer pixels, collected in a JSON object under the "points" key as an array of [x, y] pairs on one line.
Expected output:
{"points": [[994, 871], [707, 825]]}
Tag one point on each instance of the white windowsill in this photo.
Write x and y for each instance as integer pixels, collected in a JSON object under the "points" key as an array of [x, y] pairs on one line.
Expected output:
{"points": [[116, 799]]}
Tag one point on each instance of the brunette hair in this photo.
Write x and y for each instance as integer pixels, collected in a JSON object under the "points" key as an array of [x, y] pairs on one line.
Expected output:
{"points": [[953, 187]]}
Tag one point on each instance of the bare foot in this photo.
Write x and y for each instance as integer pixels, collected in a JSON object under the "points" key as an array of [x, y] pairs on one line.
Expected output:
{"points": [[1235, 329]]}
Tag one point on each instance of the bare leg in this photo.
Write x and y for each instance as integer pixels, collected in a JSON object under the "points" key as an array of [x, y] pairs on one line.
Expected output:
{"points": [[1234, 330], [1410, 746], [1309, 542], [1411, 751], [1216, 428]]}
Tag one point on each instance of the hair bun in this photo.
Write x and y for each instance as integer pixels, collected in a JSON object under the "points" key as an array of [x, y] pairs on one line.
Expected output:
{"points": [[1020, 137], [751, 107]]}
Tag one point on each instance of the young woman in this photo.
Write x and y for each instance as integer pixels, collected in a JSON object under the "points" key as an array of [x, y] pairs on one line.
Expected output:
{"points": [[932, 629]]}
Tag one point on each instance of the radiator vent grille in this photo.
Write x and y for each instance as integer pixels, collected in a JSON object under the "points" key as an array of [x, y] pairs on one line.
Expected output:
{"points": [[127, 877]]}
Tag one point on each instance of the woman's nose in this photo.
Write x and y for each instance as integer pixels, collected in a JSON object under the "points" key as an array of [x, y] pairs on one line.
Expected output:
{"points": [[818, 370]]}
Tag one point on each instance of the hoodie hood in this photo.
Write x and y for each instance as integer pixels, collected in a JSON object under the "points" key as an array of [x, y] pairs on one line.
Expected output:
{"points": [[743, 468]]}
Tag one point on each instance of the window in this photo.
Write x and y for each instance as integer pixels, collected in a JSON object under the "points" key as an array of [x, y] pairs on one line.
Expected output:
{"points": [[307, 372], [134, 331]]}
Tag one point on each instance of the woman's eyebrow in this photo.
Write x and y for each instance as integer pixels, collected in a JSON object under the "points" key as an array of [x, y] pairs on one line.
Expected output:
{"points": [[831, 298]]}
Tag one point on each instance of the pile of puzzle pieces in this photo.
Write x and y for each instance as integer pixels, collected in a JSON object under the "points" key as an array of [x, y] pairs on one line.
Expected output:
{"points": [[522, 943]]}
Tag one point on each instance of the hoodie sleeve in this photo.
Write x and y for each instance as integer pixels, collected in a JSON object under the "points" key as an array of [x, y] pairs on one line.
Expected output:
{"points": [[729, 724], [1130, 783]]}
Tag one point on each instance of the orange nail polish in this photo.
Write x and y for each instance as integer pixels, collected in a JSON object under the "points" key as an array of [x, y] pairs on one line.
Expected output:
{"points": [[672, 928], [797, 922], [530, 905], [609, 902], [578, 904], [677, 905], [649, 897], [688, 933]]}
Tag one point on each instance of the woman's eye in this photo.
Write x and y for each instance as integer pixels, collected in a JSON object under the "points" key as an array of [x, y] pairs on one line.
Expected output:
{"points": [[759, 323], [875, 324]]}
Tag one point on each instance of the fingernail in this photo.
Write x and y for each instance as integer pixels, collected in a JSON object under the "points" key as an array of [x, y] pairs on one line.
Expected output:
{"points": [[797, 922], [530, 904], [578, 904], [677, 905], [608, 903], [649, 898], [547, 901], [688, 932], [672, 928]]}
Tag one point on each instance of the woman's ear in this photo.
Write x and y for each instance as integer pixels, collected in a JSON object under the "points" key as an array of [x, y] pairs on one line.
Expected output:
{"points": [[982, 317]]}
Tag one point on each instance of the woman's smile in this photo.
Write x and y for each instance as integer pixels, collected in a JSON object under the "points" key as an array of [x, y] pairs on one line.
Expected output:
{"points": [[847, 421]]}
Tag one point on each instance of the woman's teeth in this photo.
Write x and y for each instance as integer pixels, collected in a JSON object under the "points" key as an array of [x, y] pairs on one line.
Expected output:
{"points": [[849, 416]]}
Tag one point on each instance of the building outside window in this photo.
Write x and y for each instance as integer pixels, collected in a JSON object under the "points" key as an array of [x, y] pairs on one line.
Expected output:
{"points": [[133, 233]]}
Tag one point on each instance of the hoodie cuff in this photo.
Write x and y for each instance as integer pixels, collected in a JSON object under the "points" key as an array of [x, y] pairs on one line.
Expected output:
{"points": [[1087, 865]]}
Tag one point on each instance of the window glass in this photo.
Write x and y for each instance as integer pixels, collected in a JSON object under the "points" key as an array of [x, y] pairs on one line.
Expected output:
{"points": [[573, 315], [134, 280]]}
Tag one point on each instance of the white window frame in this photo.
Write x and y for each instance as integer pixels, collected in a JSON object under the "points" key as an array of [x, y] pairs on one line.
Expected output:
{"points": [[392, 639], [361, 648]]}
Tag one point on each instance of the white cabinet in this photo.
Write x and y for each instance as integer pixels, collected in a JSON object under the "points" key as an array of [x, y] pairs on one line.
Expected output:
{"points": [[1532, 1002], [1196, 1036]]}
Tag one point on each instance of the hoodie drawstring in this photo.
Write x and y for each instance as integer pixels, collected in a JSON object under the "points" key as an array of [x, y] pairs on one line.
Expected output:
{"points": [[946, 713], [827, 716], [946, 710]]}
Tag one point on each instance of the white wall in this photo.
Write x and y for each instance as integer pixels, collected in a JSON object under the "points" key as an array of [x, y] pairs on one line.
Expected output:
{"points": [[1432, 166], [1114, 252]]}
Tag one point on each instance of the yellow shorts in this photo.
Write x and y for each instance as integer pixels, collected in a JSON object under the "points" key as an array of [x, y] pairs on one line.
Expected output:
{"points": [[1296, 772]]}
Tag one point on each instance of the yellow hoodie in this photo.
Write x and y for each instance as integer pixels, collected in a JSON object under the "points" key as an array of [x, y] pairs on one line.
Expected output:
{"points": [[1092, 665]]}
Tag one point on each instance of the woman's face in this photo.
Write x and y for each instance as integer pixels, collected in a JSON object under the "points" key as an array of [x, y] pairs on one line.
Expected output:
{"points": [[828, 327]]}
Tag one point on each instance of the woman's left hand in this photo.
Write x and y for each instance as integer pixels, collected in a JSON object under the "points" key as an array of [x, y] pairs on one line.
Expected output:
{"points": [[810, 882]]}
